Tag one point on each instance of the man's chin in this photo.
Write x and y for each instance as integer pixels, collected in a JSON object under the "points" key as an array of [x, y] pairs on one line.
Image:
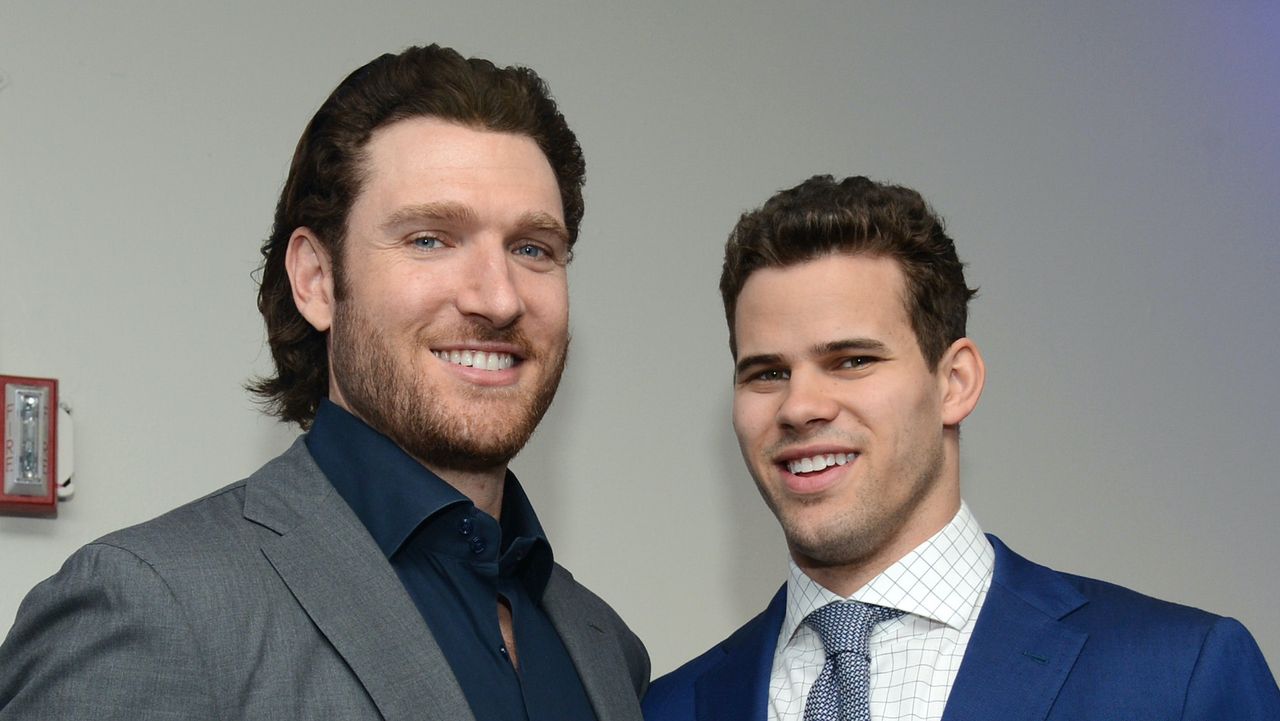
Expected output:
{"points": [[470, 450], [828, 544]]}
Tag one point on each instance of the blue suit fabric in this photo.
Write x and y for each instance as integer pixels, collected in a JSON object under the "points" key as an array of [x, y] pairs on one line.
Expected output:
{"points": [[1047, 646]]}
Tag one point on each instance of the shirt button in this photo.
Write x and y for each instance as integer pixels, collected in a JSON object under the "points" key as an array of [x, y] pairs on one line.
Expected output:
{"points": [[466, 526], [477, 545], [502, 650]]}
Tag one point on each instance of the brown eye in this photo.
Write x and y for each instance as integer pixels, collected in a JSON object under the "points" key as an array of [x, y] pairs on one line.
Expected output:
{"points": [[857, 362]]}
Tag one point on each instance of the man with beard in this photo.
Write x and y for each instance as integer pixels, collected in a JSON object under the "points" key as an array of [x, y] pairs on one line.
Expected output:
{"points": [[388, 565], [847, 305]]}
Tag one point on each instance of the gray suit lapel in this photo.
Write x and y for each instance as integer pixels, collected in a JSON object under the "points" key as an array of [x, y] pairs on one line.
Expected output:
{"points": [[345, 584], [593, 647]]}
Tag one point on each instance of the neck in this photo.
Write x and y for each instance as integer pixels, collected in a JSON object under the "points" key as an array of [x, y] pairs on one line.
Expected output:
{"points": [[484, 487], [847, 577]]}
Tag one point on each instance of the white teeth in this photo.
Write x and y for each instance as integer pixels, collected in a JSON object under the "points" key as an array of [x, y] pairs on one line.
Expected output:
{"points": [[819, 462], [477, 359]]}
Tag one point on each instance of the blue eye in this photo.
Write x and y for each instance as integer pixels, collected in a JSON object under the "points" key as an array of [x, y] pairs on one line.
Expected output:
{"points": [[530, 250], [429, 242]]}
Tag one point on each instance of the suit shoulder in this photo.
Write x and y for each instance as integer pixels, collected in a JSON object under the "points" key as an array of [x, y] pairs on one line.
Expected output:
{"points": [[582, 597], [748, 650], [673, 691], [1093, 605], [1154, 636], [208, 525], [688, 672], [226, 524], [1119, 607], [566, 592], [671, 697], [1212, 662]]}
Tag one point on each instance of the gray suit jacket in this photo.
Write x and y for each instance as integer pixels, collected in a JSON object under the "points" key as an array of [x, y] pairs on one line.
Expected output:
{"points": [[265, 600]]}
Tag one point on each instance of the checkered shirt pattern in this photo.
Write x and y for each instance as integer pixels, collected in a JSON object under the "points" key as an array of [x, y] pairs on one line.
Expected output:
{"points": [[940, 586]]}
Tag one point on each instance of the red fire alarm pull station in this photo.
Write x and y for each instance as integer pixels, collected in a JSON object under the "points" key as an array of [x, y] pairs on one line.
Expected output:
{"points": [[29, 437]]}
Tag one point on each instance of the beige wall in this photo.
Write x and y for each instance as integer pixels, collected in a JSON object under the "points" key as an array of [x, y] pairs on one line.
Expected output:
{"points": [[1109, 174]]}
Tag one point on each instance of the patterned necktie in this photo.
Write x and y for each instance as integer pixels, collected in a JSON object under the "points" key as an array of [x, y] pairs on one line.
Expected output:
{"points": [[842, 692]]}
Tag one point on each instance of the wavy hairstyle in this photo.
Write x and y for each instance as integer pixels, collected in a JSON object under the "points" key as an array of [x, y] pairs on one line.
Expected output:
{"points": [[856, 216], [327, 173]]}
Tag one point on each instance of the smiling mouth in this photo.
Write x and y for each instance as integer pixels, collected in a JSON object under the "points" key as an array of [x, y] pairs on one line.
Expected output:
{"points": [[478, 359], [820, 462]]}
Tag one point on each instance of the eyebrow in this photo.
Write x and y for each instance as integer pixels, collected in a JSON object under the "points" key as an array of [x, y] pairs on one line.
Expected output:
{"points": [[857, 344], [755, 361], [869, 345], [542, 222], [448, 212]]}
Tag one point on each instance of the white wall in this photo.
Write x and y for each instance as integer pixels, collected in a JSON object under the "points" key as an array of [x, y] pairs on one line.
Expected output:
{"points": [[1109, 173]]}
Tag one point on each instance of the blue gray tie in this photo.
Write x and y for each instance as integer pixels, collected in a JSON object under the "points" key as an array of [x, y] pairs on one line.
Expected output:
{"points": [[842, 692]]}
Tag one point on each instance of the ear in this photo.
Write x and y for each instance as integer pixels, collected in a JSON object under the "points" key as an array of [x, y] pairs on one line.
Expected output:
{"points": [[961, 374], [310, 272]]}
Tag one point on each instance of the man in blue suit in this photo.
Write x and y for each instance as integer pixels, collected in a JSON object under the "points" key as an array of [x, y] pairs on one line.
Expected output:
{"points": [[846, 306]]}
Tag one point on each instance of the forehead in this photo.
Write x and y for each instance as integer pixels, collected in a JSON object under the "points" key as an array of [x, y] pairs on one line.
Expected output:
{"points": [[781, 310], [426, 159]]}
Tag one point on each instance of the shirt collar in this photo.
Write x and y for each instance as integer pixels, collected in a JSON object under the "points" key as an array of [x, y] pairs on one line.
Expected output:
{"points": [[394, 495], [941, 579]]}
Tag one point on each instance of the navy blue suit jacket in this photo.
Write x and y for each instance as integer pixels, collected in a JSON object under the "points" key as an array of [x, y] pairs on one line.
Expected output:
{"points": [[1047, 645]]}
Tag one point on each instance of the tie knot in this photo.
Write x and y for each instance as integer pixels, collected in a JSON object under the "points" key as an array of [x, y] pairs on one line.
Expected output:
{"points": [[845, 626]]}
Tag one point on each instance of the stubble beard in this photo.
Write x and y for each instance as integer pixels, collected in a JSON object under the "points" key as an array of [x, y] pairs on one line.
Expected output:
{"points": [[851, 536], [397, 400]]}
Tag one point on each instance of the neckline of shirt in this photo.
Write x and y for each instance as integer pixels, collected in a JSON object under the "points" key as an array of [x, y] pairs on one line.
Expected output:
{"points": [[942, 579]]}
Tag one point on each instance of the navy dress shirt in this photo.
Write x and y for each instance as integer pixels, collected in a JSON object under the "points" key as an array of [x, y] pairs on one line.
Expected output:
{"points": [[455, 561]]}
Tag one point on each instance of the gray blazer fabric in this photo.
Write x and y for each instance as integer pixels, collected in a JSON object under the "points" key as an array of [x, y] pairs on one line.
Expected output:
{"points": [[265, 600]]}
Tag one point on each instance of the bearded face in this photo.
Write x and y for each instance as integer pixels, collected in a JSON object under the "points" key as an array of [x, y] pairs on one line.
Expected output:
{"points": [[442, 422], [448, 325]]}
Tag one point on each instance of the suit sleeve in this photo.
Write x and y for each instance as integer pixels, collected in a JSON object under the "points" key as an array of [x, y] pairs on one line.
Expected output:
{"points": [[103, 639], [1231, 679]]}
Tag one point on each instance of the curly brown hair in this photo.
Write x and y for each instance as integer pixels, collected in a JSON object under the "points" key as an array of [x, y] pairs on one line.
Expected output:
{"points": [[856, 216], [326, 176]]}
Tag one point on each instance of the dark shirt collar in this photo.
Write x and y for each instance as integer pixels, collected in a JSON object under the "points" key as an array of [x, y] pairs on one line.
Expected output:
{"points": [[394, 495]]}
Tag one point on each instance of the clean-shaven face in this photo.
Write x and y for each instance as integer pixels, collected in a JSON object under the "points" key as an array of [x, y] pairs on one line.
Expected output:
{"points": [[451, 327], [837, 413]]}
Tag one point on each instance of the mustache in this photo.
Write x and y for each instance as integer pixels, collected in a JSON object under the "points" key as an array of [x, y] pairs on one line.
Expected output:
{"points": [[509, 335]]}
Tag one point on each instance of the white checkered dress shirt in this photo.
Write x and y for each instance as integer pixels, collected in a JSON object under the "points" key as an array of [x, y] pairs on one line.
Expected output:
{"points": [[940, 585]]}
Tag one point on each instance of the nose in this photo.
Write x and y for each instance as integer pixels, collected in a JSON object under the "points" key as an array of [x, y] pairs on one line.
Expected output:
{"points": [[807, 401], [490, 289]]}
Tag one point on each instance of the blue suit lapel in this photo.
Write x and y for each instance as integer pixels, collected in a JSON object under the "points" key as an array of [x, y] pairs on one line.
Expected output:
{"points": [[1020, 652], [737, 688]]}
